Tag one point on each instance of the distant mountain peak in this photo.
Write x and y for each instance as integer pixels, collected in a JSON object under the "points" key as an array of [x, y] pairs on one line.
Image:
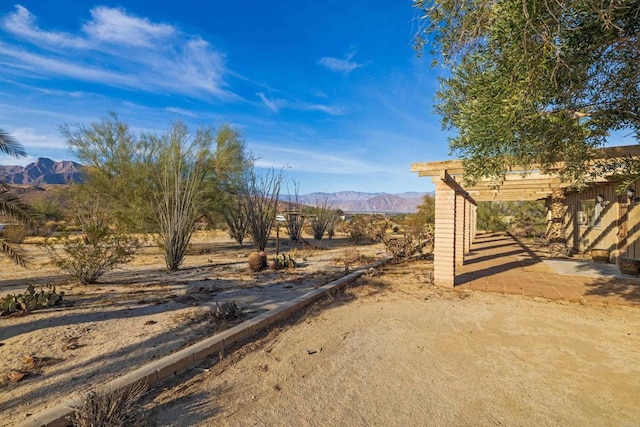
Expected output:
{"points": [[43, 171]]}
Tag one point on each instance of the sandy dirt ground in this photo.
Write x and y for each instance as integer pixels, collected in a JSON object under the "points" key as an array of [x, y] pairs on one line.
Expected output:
{"points": [[139, 313], [396, 352]]}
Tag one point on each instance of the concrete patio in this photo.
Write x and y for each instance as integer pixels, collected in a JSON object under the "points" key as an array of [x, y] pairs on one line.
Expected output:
{"points": [[500, 263]]}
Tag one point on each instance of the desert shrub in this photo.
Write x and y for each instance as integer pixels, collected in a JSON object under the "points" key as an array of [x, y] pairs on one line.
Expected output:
{"points": [[491, 216], [29, 301], [111, 408], [227, 312], [362, 230], [358, 230], [529, 219], [404, 248], [14, 233], [350, 256], [418, 223], [87, 259]]}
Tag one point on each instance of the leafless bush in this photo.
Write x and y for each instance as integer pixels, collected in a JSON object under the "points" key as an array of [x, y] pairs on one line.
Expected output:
{"points": [[111, 408], [323, 220], [235, 216], [261, 194], [227, 312], [295, 216], [407, 246]]}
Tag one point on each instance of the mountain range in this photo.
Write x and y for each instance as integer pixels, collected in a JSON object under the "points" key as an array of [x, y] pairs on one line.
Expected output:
{"points": [[46, 171], [42, 171], [360, 202]]}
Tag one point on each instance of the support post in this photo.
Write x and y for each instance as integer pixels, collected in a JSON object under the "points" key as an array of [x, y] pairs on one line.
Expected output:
{"points": [[460, 230], [444, 265]]}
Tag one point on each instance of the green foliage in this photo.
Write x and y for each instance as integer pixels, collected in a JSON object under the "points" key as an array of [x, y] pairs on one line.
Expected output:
{"points": [[284, 261], [87, 259], [535, 81], [527, 218], [224, 182], [158, 183], [29, 301], [491, 216], [419, 223], [530, 219], [115, 168]]}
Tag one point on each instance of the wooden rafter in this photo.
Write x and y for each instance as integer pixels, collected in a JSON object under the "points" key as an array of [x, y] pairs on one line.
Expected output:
{"points": [[517, 184]]}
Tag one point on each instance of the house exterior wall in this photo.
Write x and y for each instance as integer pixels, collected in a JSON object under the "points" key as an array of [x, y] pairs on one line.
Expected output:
{"points": [[617, 230]]}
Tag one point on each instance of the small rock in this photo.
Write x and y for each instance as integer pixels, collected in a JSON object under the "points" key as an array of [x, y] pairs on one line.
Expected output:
{"points": [[150, 322]]}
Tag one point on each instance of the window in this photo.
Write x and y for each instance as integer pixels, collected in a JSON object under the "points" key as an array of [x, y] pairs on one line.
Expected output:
{"points": [[589, 213]]}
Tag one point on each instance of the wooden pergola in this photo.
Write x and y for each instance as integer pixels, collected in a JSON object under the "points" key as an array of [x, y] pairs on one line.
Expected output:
{"points": [[455, 203]]}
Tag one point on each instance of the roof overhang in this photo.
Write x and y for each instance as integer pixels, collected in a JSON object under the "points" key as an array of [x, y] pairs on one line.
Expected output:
{"points": [[518, 183]]}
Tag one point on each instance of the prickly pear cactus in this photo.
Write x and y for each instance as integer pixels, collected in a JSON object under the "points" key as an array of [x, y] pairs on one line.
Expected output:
{"points": [[30, 300]]}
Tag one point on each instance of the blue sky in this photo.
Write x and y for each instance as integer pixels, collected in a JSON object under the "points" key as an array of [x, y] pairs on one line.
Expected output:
{"points": [[331, 90]]}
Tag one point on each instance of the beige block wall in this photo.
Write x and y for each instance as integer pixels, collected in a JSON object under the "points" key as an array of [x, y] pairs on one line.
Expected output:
{"points": [[609, 235], [444, 244]]}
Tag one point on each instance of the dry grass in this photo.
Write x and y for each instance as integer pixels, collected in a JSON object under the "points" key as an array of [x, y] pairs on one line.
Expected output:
{"points": [[111, 408]]}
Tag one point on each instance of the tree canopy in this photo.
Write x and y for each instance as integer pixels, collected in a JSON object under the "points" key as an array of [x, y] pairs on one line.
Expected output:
{"points": [[158, 183], [533, 82]]}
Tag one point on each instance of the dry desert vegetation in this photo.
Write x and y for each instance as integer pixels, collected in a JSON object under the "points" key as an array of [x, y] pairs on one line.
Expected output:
{"points": [[141, 312], [391, 350]]}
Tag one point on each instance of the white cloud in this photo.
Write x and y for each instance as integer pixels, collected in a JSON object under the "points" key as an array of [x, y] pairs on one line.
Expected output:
{"points": [[272, 156], [181, 111], [12, 161], [116, 49], [274, 105], [341, 65], [115, 26], [277, 104], [31, 138], [22, 23]]}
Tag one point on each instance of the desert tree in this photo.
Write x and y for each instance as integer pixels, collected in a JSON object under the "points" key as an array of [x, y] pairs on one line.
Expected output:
{"points": [[222, 198], [113, 164], [261, 192], [178, 163], [11, 205], [533, 82], [153, 183]]}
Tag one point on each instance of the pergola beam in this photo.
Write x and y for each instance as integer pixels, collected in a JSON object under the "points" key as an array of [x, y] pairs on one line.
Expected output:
{"points": [[455, 203]]}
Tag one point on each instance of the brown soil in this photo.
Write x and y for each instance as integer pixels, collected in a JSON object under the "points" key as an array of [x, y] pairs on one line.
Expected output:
{"points": [[395, 351], [137, 313]]}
